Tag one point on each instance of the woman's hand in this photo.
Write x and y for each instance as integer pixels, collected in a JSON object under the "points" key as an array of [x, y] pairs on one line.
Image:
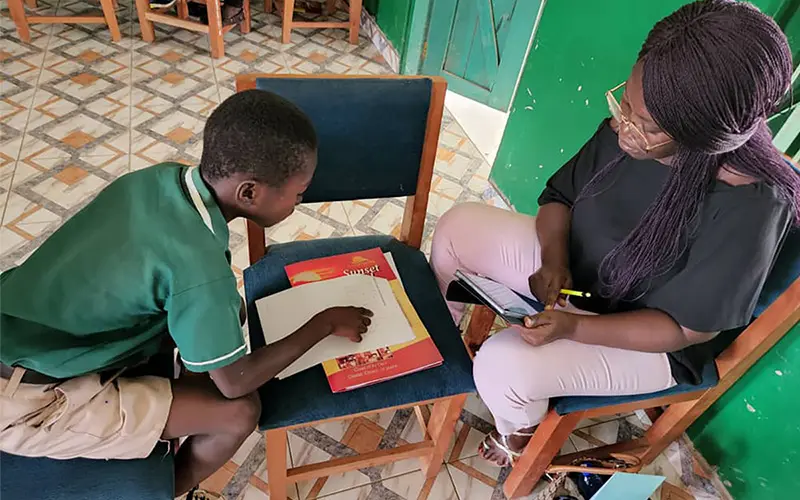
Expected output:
{"points": [[547, 282], [549, 326]]}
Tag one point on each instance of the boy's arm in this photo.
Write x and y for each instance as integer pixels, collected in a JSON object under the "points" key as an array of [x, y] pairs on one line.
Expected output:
{"points": [[250, 372]]}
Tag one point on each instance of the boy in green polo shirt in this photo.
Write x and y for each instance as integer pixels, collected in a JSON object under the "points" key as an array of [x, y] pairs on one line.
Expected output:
{"points": [[148, 260]]}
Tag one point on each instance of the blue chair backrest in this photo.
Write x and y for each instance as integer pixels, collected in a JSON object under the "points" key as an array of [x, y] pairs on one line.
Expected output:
{"points": [[371, 133], [786, 269]]}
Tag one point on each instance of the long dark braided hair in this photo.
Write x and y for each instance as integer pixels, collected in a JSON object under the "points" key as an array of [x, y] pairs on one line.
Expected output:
{"points": [[712, 72]]}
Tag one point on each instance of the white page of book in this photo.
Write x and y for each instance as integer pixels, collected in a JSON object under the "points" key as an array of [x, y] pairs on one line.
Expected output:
{"points": [[393, 265], [283, 313], [502, 295]]}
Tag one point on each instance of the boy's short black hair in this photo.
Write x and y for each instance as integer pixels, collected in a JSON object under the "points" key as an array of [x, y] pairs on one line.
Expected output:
{"points": [[257, 133]]}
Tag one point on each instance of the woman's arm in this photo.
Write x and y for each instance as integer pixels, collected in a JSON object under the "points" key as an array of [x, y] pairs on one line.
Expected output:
{"points": [[552, 228], [647, 330]]}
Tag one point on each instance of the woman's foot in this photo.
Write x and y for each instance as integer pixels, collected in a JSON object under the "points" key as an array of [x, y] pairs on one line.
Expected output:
{"points": [[504, 450]]}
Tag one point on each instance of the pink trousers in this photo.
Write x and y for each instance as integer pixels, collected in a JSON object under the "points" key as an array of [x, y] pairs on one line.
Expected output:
{"points": [[515, 379]]}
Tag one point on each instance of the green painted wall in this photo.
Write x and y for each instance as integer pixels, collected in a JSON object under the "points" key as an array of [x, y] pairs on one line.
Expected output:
{"points": [[753, 432], [578, 53], [393, 17], [581, 49]]}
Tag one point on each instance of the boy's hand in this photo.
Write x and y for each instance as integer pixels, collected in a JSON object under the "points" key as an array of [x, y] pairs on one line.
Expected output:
{"points": [[347, 322], [548, 326]]}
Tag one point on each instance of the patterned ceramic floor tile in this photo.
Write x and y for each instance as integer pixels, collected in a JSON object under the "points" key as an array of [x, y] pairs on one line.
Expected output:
{"points": [[610, 432], [361, 435], [407, 486]]}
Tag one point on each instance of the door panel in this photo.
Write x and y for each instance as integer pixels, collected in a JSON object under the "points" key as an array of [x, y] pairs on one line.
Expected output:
{"points": [[480, 45]]}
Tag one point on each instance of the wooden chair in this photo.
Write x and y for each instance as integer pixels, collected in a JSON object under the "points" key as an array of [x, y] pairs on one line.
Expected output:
{"points": [[363, 155], [778, 311], [286, 9], [215, 30], [23, 21]]}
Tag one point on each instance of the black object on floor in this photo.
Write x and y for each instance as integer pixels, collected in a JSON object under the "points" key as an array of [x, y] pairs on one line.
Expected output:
{"points": [[588, 484]]}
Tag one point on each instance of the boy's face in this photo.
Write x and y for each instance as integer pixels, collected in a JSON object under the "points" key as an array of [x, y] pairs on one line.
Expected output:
{"points": [[267, 205]]}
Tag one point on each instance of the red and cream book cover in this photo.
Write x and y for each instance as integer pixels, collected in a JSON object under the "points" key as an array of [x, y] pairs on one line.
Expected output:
{"points": [[371, 367]]}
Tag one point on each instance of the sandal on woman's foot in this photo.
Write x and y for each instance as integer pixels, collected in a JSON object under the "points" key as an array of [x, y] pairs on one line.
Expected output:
{"points": [[499, 443]]}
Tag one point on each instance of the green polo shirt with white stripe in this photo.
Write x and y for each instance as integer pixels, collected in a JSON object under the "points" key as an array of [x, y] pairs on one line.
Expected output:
{"points": [[146, 258]]}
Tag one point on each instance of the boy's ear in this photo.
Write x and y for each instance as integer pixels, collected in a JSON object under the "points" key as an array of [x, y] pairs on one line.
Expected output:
{"points": [[247, 193]]}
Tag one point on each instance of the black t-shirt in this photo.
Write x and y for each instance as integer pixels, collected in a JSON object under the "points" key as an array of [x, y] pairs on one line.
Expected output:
{"points": [[715, 284]]}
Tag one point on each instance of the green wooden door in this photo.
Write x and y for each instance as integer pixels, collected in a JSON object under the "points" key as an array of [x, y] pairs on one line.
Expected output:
{"points": [[480, 45]]}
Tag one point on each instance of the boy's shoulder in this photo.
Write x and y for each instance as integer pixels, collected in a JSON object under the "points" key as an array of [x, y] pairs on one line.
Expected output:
{"points": [[166, 172]]}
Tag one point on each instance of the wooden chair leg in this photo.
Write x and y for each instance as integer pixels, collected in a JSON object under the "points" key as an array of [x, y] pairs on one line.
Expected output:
{"points": [[669, 427], [441, 427], [545, 444], [183, 9], [480, 324], [244, 26], [276, 464], [109, 12], [17, 10], [268, 6], [355, 20], [288, 12], [145, 25], [215, 35]]}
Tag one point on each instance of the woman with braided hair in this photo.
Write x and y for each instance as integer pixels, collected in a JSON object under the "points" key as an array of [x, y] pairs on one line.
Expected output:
{"points": [[671, 215]]}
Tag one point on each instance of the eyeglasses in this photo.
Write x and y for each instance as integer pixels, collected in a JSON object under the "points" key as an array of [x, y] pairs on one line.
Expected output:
{"points": [[616, 111]]}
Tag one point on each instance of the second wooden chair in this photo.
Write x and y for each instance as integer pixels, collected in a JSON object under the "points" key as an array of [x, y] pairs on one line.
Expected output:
{"points": [[216, 31]]}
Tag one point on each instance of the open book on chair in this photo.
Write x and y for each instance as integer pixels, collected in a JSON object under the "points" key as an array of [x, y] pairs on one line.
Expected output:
{"points": [[397, 342]]}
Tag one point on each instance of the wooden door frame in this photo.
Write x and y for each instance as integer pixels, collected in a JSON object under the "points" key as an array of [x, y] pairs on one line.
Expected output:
{"points": [[435, 41], [417, 37]]}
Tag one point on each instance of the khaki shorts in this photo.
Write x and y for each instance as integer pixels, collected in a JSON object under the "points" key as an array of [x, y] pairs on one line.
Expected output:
{"points": [[84, 417]]}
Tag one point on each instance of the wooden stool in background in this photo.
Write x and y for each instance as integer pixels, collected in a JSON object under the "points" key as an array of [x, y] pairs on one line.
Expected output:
{"points": [[22, 20], [215, 30], [286, 8]]}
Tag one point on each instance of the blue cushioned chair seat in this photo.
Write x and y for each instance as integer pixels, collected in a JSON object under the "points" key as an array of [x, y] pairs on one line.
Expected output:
{"points": [[152, 478], [306, 397]]}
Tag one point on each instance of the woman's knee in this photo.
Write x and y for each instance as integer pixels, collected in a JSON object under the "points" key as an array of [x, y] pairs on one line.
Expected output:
{"points": [[457, 220], [494, 365], [505, 366]]}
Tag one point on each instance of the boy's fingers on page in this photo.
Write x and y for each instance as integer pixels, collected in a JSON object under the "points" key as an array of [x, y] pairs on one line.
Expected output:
{"points": [[366, 321], [365, 312]]}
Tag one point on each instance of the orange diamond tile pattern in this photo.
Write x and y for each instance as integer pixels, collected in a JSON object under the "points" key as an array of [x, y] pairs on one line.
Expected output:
{"points": [[71, 175], [77, 139]]}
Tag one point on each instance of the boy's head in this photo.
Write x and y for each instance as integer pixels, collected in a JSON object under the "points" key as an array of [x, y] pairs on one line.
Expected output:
{"points": [[259, 155]]}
